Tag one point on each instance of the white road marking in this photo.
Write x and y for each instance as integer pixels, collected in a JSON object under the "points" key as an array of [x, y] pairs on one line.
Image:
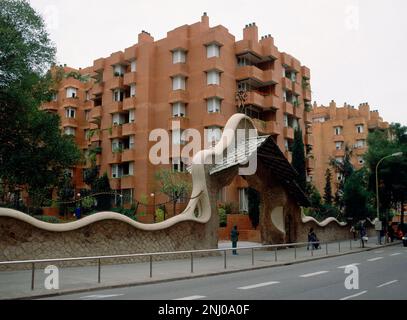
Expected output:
{"points": [[352, 264], [387, 283], [102, 296], [375, 259], [191, 298], [313, 274], [381, 251], [259, 285], [395, 254], [354, 296]]}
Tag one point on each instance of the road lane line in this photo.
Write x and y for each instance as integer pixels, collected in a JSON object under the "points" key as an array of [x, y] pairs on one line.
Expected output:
{"points": [[354, 296], [375, 259], [313, 274], [381, 251], [259, 285], [349, 265], [102, 296], [191, 298], [387, 283], [395, 254]]}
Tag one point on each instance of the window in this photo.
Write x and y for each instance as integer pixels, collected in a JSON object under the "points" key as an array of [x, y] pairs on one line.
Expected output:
{"points": [[213, 77], [178, 83], [128, 169], [360, 128], [295, 123], [338, 145], [213, 105], [360, 144], [178, 56], [319, 120], [118, 95], [285, 120], [286, 145], [338, 131], [178, 110], [70, 113], [293, 76], [178, 165], [339, 176], [117, 145], [339, 159], [133, 66], [118, 119], [54, 96], [214, 134], [87, 115], [70, 131], [221, 196], [118, 70], [177, 137], [241, 62], [243, 86], [131, 142], [361, 160], [71, 92], [243, 200], [133, 90], [212, 50], [87, 95], [132, 116], [116, 171]]}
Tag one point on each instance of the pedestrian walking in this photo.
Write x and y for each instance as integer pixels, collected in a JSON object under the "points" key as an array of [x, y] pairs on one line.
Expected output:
{"points": [[234, 236], [363, 234]]}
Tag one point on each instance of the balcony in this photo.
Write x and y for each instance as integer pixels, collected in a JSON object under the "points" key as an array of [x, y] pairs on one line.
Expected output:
{"points": [[71, 102], [360, 151], [213, 91], [99, 65], [296, 65], [271, 101], [249, 72], [299, 112], [270, 77], [71, 83], [97, 89], [178, 123], [339, 153], [270, 50], [130, 78], [308, 117], [255, 98], [339, 138], [98, 159], [116, 132], [116, 58], [297, 88], [128, 129], [129, 103], [179, 69], [50, 106], [287, 84], [95, 114], [307, 94], [130, 53], [288, 108], [309, 139], [305, 71], [178, 96], [128, 155], [115, 107], [88, 105], [115, 158], [214, 119], [286, 59], [245, 46], [289, 133], [69, 122], [127, 182], [267, 127], [115, 83]]}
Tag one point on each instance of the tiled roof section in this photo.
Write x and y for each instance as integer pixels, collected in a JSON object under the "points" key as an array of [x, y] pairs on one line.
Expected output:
{"points": [[270, 154]]}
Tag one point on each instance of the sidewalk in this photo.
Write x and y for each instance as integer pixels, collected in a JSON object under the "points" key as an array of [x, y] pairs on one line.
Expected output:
{"points": [[17, 284]]}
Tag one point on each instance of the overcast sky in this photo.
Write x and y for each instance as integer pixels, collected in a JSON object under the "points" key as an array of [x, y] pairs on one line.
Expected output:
{"points": [[356, 49]]}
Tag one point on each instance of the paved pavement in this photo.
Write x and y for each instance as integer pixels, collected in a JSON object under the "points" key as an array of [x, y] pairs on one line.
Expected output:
{"points": [[382, 276], [16, 284]]}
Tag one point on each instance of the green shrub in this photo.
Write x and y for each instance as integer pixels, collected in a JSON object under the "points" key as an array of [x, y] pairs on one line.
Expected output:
{"points": [[48, 219], [159, 214], [222, 217]]}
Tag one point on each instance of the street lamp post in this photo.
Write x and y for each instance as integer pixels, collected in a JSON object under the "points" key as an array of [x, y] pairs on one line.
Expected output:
{"points": [[153, 196], [398, 154]]}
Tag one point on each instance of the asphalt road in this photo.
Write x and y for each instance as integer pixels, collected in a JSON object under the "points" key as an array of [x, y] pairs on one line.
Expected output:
{"points": [[382, 276]]}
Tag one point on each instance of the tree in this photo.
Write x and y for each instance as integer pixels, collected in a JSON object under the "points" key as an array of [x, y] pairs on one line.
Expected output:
{"points": [[328, 187], [356, 196], [33, 153], [102, 185], [298, 162], [392, 172], [174, 184]]}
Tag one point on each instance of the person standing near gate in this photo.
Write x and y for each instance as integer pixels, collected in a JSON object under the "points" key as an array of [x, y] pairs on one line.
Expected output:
{"points": [[234, 236]]}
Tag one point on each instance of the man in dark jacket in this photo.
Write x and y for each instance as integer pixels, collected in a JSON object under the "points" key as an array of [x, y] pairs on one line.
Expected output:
{"points": [[234, 236]]}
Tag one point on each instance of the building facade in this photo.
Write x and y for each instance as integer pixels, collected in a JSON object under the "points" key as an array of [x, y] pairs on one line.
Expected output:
{"points": [[192, 76], [333, 129]]}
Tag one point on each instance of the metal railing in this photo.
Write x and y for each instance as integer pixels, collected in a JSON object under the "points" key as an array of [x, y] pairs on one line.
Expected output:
{"points": [[310, 247]]}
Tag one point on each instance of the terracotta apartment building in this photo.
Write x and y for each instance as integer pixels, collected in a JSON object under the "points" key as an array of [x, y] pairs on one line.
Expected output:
{"points": [[191, 76], [335, 127]]}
